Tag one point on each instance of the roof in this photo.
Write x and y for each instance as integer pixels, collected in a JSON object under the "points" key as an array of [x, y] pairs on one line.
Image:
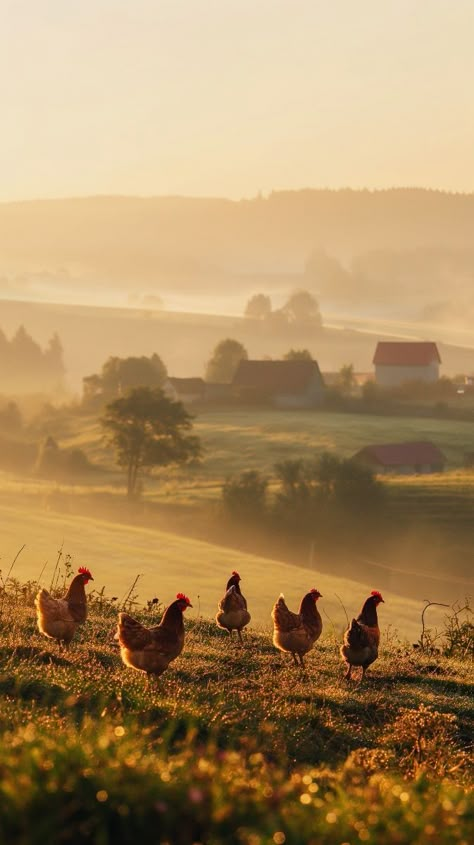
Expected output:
{"points": [[289, 377], [187, 385], [406, 353], [403, 454]]}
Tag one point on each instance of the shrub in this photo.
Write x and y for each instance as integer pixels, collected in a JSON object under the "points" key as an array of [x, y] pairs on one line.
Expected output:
{"points": [[245, 496], [427, 739]]}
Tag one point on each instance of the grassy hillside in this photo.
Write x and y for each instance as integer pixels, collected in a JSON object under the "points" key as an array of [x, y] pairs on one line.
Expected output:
{"points": [[232, 745], [236, 439], [432, 514], [168, 563]]}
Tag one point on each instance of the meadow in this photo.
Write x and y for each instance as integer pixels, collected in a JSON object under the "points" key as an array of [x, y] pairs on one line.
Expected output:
{"points": [[179, 515], [236, 439], [232, 745], [167, 563]]}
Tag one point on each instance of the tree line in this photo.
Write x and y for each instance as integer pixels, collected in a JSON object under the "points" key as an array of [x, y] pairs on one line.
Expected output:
{"points": [[26, 367]]}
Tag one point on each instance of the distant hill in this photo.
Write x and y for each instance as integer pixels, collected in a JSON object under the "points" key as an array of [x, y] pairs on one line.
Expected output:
{"points": [[197, 244]]}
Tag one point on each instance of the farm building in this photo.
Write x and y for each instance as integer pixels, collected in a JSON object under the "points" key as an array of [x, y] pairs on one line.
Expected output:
{"points": [[403, 458], [397, 362], [187, 390], [287, 384]]}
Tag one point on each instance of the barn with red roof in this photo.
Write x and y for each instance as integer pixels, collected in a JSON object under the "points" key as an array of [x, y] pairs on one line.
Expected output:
{"points": [[410, 458], [397, 362]]}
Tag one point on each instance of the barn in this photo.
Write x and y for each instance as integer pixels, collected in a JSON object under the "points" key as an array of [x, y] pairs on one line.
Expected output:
{"points": [[286, 384], [397, 362], [412, 458], [186, 390]]}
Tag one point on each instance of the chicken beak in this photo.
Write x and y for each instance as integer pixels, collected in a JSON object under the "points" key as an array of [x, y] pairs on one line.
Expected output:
{"points": [[189, 605]]}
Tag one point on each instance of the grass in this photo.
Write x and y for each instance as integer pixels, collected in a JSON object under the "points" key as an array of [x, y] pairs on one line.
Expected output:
{"points": [[231, 745]]}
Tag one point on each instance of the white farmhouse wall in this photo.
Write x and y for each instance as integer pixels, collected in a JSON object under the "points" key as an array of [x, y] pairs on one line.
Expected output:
{"points": [[392, 376]]}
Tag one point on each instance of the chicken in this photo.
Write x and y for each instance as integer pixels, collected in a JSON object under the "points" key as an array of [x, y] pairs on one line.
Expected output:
{"points": [[297, 632], [59, 618], [151, 650], [232, 608], [361, 640]]}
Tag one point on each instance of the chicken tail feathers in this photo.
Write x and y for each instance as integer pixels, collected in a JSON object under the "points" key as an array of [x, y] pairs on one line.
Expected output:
{"points": [[131, 633]]}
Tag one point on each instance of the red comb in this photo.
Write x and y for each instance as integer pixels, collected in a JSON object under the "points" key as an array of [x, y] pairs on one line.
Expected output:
{"points": [[83, 570], [182, 597], [235, 573], [377, 594]]}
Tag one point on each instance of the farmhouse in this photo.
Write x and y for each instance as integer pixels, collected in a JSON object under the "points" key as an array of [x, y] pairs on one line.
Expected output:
{"points": [[403, 458], [287, 384], [397, 362], [186, 390]]}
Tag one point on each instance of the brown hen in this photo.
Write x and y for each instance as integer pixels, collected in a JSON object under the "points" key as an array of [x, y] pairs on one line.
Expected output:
{"points": [[232, 609], [362, 638], [151, 650], [297, 632], [59, 618]]}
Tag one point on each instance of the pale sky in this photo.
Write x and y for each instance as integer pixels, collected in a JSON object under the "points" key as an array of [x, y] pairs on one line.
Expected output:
{"points": [[233, 97]]}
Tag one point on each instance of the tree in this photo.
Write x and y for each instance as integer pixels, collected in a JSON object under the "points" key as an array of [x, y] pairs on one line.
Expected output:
{"points": [[245, 496], [147, 430], [345, 379], [298, 355], [224, 361], [302, 307], [53, 359], [258, 307], [118, 375]]}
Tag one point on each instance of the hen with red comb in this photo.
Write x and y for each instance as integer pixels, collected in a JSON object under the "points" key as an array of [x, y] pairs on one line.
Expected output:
{"points": [[296, 633], [58, 619], [232, 612], [151, 650], [362, 638]]}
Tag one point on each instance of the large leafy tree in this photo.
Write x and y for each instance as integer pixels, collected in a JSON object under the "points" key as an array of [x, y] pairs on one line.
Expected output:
{"points": [[225, 360], [148, 430]]}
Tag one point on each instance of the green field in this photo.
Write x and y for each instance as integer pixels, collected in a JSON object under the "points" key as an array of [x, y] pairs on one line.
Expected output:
{"points": [[235, 440]]}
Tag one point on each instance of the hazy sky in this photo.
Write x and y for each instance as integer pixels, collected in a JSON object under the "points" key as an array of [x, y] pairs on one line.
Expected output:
{"points": [[230, 97]]}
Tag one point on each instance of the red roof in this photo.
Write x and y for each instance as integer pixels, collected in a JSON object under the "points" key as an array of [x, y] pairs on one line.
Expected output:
{"points": [[289, 377], [403, 454], [409, 353]]}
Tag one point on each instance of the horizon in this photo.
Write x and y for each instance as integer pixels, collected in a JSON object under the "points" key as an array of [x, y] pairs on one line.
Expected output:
{"points": [[258, 196]]}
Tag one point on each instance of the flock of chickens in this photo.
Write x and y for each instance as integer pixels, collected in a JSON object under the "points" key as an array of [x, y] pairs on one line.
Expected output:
{"points": [[151, 650]]}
